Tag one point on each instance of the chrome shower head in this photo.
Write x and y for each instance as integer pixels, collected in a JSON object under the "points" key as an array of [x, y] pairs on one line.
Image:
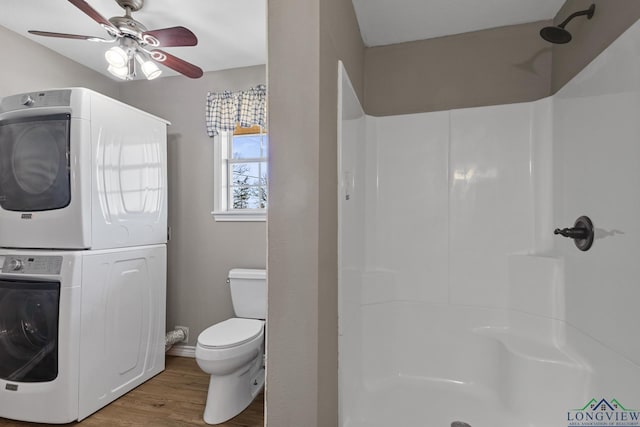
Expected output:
{"points": [[559, 35]]}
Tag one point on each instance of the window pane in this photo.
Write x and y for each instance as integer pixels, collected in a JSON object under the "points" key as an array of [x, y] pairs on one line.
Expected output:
{"points": [[246, 174], [258, 198], [246, 197], [263, 174], [241, 197], [246, 147], [261, 196]]}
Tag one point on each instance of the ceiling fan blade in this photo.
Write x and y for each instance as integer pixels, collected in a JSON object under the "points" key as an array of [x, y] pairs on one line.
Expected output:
{"points": [[93, 14], [170, 37], [177, 64], [66, 36]]}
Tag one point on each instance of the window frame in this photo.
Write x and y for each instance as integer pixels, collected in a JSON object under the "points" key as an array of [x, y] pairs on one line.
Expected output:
{"points": [[222, 177]]}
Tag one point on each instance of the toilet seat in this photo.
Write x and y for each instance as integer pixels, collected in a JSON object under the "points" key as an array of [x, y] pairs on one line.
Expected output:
{"points": [[230, 333]]}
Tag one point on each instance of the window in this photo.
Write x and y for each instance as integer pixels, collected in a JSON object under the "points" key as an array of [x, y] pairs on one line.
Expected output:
{"points": [[241, 175]]}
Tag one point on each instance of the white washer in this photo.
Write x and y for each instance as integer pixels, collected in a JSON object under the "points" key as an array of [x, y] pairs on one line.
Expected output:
{"points": [[79, 170], [78, 329]]}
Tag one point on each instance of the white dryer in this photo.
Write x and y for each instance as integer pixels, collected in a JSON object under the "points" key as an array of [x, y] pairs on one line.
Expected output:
{"points": [[78, 329], [79, 170]]}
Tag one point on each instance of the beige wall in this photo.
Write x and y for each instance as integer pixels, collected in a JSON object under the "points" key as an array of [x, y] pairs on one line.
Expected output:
{"points": [[496, 66], [293, 71], [306, 39], [339, 40], [201, 250], [28, 66], [590, 37]]}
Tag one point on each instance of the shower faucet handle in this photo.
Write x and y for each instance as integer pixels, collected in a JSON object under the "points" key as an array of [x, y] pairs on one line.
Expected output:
{"points": [[582, 233]]}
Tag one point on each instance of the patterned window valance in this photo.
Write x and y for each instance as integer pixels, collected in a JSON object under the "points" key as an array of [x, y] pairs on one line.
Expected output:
{"points": [[227, 109]]}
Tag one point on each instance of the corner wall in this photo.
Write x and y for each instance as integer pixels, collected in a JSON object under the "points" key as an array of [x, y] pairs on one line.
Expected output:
{"points": [[339, 40], [306, 39], [294, 113]]}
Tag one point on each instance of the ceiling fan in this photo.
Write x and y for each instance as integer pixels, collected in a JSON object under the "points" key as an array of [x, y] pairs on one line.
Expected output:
{"points": [[134, 43]]}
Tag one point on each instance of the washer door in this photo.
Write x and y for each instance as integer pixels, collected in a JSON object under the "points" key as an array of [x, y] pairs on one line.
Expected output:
{"points": [[34, 163], [29, 330]]}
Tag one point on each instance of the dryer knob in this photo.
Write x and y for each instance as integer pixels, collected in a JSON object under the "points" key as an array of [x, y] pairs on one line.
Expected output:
{"points": [[16, 264], [27, 100]]}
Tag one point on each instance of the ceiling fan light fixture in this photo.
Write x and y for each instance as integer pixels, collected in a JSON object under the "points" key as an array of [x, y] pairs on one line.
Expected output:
{"points": [[151, 70], [148, 67], [120, 72], [117, 57]]}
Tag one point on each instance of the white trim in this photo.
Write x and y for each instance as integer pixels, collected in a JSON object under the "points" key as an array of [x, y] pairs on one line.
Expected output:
{"points": [[240, 216], [220, 145], [182, 351]]}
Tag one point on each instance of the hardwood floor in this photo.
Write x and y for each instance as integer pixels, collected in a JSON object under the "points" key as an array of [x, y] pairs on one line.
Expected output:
{"points": [[174, 398]]}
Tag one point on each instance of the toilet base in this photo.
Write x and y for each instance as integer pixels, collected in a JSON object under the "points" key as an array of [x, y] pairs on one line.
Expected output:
{"points": [[257, 384], [229, 395]]}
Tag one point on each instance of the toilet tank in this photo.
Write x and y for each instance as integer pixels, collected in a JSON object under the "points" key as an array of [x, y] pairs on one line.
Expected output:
{"points": [[249, 292]]}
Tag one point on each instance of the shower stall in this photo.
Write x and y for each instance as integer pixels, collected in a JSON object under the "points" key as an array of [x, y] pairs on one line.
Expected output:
{"points": [[457, 303]]}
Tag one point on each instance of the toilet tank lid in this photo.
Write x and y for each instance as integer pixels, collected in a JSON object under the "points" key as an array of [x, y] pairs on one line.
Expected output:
{"points": [[248, 273]]}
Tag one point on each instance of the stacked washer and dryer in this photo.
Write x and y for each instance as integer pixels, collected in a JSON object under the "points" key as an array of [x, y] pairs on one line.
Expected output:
{"points": [[83, 232]]}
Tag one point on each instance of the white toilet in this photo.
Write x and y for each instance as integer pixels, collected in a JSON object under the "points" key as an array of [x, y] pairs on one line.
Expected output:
{"points": [[232, 351]]}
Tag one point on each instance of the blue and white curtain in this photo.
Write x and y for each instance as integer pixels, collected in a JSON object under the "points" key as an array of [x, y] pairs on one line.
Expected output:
{"points": [[227, 109]]}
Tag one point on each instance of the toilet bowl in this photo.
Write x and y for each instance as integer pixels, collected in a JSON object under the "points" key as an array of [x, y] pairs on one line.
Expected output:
{"points": [[232, 351]]}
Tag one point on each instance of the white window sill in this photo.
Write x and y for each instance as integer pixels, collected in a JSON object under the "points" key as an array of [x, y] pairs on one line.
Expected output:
{"points": [[240, 216]]}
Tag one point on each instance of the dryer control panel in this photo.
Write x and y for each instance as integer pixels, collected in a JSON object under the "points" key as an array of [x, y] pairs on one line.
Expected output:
{"points": [[48, 98], [29, 264]]}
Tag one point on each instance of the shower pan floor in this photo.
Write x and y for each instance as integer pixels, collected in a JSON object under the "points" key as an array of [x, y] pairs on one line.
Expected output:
{"points": [[410, 401]]}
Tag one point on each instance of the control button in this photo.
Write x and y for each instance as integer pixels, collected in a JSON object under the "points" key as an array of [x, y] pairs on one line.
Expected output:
{"points": [[27, 100], [16, 264]]}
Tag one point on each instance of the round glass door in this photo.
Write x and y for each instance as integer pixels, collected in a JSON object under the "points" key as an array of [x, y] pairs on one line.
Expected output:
{"points": [[29, 331], [34, 163], [35, 159]]}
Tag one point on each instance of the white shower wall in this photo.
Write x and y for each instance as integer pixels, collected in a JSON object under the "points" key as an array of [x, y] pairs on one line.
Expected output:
{"points": [[450, 272], [596, 136], [449, 198]]}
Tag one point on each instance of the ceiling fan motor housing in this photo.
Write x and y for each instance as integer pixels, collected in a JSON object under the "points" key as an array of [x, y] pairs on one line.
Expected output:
{"points": [[128, 25], [134, 5]]}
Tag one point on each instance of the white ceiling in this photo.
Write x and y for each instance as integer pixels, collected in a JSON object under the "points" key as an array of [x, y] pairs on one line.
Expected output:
{"points": [[385, 22], [231, 33]]}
